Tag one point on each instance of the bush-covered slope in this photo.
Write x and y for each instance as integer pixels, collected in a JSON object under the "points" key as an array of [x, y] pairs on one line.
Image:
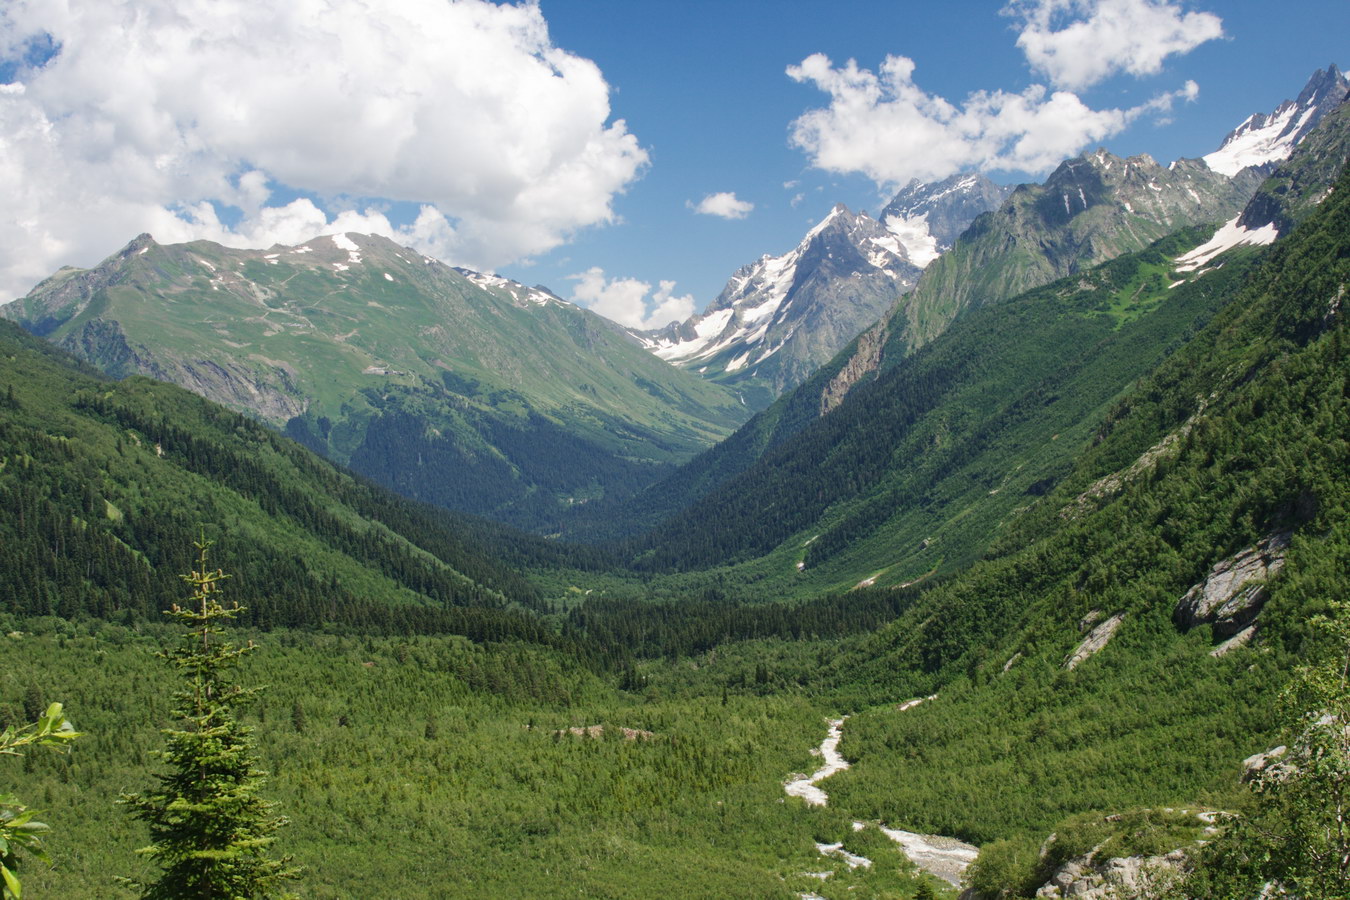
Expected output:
{"points": [[920, 467]]}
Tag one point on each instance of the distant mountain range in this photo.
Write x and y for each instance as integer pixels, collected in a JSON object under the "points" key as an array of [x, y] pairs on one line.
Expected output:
{"points": [[780, 317], [475, 392], [391, 362], [1094, 208]]}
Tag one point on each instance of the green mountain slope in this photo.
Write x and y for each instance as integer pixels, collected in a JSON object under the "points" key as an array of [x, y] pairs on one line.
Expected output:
{"points": [[105, 485], [920, 468], [1090, 210], [1235, 443], [463, 390]]}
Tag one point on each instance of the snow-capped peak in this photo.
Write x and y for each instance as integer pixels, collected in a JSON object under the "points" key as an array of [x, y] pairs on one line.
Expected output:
{"points": [[824, 223], [756, 314], [519, 293], [1262, 138]]}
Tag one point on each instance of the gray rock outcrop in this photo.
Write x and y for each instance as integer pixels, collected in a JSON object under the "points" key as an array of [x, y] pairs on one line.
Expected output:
{"points": [[1115, 879], [1232, 595], [1095, 641]]}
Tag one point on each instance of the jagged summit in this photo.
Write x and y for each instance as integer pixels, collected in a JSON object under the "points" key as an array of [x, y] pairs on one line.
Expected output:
{"points": [[781, 317], [1263, 138]]}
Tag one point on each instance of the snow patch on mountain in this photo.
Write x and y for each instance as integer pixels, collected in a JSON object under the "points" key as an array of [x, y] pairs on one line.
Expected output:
{"points": [[518, 292], [342, 242], [1271, 138], [920, 245], [345, 243], [1229, 235]]}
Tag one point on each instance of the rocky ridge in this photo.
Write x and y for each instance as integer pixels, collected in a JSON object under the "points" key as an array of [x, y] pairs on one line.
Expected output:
{"points": [[1264, 138], [780, 317]]}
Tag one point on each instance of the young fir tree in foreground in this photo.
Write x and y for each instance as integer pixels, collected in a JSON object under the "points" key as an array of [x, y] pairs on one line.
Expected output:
{"points": [[211, 831]]}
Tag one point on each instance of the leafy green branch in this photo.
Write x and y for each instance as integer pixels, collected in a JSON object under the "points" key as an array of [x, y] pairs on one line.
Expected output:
{"points": [[18, 829]]}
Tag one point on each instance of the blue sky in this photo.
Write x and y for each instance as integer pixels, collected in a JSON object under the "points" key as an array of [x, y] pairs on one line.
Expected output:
{"points": [[573, 138]]}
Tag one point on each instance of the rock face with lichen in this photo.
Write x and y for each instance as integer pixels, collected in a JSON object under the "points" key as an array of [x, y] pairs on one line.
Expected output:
{"points": [[1095, 641], [1115, 879], [1231, 596]]}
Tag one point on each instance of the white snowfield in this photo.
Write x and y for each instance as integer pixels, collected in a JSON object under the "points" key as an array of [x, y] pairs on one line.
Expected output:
{"points": [[1272, 142], [918, 242], [1229, 235]]}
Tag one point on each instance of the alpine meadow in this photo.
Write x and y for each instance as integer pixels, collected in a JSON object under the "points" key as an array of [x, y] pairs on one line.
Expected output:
{"points": [[995, 544]]}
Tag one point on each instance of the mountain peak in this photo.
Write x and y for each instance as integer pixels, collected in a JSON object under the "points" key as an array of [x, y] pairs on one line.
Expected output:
{"points": [[1322, 84], [1270, 138], [139, 244], [780, 317], [839, 216]]}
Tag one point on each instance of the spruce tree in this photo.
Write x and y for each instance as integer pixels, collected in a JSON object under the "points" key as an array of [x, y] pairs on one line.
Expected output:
{"points": [[210, 829]]}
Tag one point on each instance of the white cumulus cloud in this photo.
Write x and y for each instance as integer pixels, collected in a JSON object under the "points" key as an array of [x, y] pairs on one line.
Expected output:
{"points": [[723, 204], [883, 125], [206, 118], [1079, 43], [626, 301]]}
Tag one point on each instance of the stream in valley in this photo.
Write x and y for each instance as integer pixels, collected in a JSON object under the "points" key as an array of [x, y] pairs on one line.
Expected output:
{"points": [[944, 857]]}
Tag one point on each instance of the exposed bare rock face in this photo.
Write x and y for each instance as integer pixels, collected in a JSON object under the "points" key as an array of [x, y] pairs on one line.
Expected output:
{"points": [[1095, 641], [865, 360], [1115, 879], [598, 731], [1241, 639], [1266, 764], [1231, 596]]}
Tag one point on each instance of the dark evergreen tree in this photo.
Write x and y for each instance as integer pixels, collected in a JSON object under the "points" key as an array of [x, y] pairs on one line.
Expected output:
{"points": [[211, 831]]}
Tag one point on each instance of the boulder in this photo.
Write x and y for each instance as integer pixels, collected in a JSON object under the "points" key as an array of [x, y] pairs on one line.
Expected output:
{"points": [[1231, 596], [1259, 764]]}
